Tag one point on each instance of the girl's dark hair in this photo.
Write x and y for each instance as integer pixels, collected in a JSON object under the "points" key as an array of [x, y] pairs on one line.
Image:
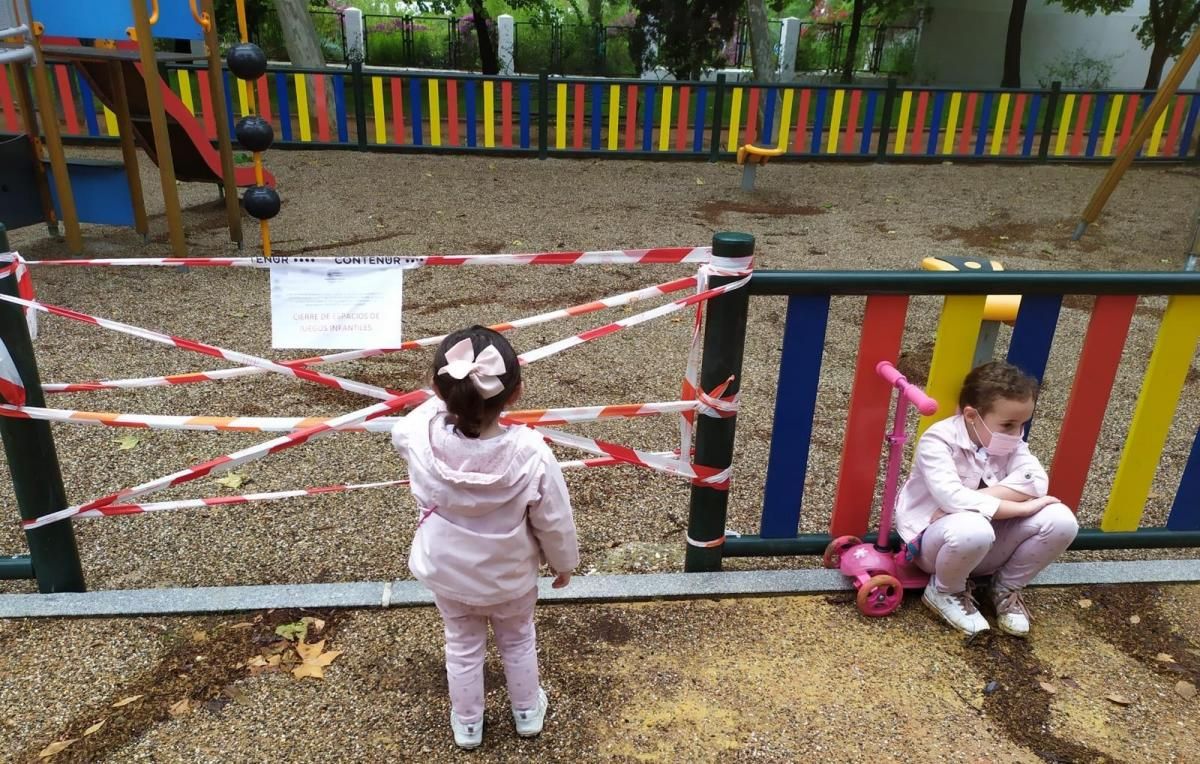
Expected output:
{"points": [[470, 411], [994, 380]]}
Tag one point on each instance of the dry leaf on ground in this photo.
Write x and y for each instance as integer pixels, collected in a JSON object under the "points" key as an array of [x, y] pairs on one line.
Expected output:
{"points": [[199, 636], [317, 624], [233, 480], [1048, 687], [127, 701], [1185, 690], [182, 708], [315, 660], [54, 748], [1085, 603], [295, 632], [1135, 619], [92, 730], [1165, 658], [1119, 699], [126, 442]]}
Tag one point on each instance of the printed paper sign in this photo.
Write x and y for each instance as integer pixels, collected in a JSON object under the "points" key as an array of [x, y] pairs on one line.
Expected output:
{"points": [[339, 303]]}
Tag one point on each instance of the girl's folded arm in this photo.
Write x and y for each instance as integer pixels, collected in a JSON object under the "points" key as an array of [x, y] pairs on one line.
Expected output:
{"points": [[552, 521], [934, 460]]}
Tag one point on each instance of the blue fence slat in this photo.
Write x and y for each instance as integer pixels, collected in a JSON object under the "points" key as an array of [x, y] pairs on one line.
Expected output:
{"points": [[1185, 140], [1185, 511], [768, 132], [525, 101], [935, 123], [868, 128], [597, 104], [1033, 334], [339, 105], [1031, 124], [284, 106], [414, 111], [1097, 119], [799, 375], [229, 100], [985, 121], [818, 122], [698, 122], [648, 112], [88, 102], [472, 128]]}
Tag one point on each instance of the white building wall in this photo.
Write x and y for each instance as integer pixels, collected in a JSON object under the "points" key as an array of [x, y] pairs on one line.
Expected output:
{"points": [[962, 43]]}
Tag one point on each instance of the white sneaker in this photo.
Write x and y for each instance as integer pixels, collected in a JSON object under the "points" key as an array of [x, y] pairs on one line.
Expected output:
{"points": [[529, 723], [957, 609], [1011, 614], [466, 736]]}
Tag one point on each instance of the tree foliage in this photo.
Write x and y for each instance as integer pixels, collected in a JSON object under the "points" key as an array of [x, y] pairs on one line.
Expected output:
{"points": [[1164, 29], [685, 37]]}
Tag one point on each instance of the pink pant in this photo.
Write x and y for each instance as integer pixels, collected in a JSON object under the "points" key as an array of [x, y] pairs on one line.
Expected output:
{"points": [[466, 643], [1013, 551]]}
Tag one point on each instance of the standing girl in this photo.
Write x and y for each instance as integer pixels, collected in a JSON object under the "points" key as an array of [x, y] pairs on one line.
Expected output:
{"points": [[493, 505], [976, 503]]}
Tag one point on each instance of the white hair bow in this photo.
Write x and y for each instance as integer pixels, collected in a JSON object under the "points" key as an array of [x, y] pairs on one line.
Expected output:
{"points": [[484, 369]]}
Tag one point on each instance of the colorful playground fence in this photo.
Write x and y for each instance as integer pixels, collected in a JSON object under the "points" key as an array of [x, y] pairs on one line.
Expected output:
{"points": [[377, 109], [809, 295]]}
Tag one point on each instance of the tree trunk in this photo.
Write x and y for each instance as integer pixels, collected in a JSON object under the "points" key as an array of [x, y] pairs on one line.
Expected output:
{"points": [[852, 42], [1012, 45], [1158, 61], [760, 40], [489, 62], [596, 11], [303, 46]]}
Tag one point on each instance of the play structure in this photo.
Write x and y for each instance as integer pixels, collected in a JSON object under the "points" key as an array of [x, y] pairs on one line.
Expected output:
{"points": [[120, 69], [879, 572], [749, 157], [999, 309], [708, 409]]}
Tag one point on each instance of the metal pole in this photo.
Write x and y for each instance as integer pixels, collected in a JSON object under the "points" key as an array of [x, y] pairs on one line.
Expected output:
{"points": [[724, 343], [1048, 121], [360, 103], [543, 113], [158, 121], [718, 118], [33, 462], [885, 126], [216, 87], [1166, 92]]}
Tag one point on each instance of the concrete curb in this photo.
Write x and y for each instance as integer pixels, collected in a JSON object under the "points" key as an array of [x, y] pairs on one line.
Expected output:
{"points": [[616, 588]]}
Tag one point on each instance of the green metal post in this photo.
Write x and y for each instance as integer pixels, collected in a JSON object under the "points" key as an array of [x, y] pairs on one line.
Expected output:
{"points": [[543, 114], [724, 343], [718, 118], [885, 126], [1048, 121], [360, 103], [29, 447]]}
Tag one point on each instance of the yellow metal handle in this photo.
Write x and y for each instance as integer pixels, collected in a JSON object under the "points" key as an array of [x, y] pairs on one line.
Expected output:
{"points": [[154, 15], [201, 18]]}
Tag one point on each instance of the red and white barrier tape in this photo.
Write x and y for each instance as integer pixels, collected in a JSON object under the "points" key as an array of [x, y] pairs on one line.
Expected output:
{"points": [[294, 424], [652, 256], [237, 458], [625, 298], [17, 267], [114, 510], [328, 380]]}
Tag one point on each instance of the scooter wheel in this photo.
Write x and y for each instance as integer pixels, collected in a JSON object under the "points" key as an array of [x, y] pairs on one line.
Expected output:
{"points": [[833, 552], [880, 595]]}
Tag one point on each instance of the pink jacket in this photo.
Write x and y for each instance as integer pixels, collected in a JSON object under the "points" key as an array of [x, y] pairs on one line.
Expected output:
{"points": [[492, 509], [948, 470]]}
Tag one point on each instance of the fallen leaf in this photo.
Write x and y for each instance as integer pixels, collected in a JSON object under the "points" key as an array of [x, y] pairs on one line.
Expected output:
{"points": [[1185, 690], [242, 626], [199, 636], [1048, 687], [1135, 619], [127, 701], [1085, 603], [1119, 699], [1069, 682], [182, 708], [126, 442], [239, 315], [428, 175], [317, 624], [315, 660], [1164, 658], [699, 182], [233, 480], [891, 232], [54, 748], [517, 242], [293, 631], [92, 730], [256, 661], [1003, 238]]}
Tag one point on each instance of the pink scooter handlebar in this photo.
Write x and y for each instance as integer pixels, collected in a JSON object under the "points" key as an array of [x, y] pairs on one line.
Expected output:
{"points": [[892, 376]]}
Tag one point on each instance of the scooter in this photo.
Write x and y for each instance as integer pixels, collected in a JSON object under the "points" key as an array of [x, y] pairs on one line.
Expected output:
{"points": [[879, 573]]}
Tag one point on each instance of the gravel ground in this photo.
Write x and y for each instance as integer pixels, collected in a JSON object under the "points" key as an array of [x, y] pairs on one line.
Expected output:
{"points": [[804, 216]]}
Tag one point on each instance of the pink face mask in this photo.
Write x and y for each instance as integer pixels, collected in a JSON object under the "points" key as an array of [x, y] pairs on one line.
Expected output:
{"points": [[999, 443]]}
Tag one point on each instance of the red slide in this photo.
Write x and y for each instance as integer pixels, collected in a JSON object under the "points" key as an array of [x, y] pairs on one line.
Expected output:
{"points": [[192, 153]]}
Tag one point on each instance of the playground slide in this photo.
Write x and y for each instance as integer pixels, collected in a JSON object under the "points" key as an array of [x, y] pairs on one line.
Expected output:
{"points": [[194, 157]]}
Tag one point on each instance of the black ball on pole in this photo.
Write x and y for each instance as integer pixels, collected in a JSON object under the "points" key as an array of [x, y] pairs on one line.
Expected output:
{"points": [[254, 133], [261, 202], [247, 61]]}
